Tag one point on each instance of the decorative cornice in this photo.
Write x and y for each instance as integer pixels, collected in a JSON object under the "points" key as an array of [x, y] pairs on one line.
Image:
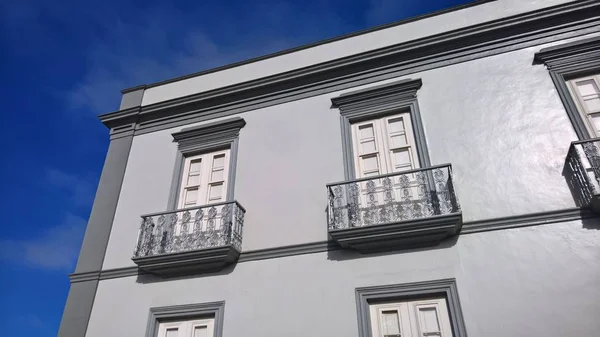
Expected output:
{"points": [[406, 88], [376, 65], [550, 55], [230, 125], [469, 227]]}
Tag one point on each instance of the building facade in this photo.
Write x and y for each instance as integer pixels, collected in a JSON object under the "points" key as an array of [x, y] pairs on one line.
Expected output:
{"points": [[434, 177]]}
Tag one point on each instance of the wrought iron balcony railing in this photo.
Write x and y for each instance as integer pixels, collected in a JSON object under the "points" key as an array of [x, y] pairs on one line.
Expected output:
{"points": [[422, 198], [582, 170], [393, 197], [181, 232]]}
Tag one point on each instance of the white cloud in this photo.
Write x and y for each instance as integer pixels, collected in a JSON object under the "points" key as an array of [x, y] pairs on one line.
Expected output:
{"points": [[56, 248]]}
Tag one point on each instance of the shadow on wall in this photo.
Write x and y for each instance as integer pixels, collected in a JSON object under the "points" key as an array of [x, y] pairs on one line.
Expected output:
{"points": [[341, 254], [145, 278], [591, 223]]}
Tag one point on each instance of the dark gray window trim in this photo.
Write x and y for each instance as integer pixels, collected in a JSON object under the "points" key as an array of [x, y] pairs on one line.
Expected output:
{"points": [[565, 62], [379, 101], [495, 37], [400, 292], [205, 138], [186, 311]]}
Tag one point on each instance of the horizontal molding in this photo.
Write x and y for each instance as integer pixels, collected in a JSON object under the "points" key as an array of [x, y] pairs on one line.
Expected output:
{"points": [[499, 36], [271, 253], [532, 219], [470, 227]]}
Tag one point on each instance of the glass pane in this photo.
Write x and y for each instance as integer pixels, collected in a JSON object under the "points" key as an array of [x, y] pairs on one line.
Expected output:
{"points": [[217, 175], [195, 165], [401, 157], [172, 332], [390, 322], [193, 179], [592, 103], [216, 192], [366, 131], [587, 87], [191, 196], [200, 331], [399, 140], [219, 161], [370, 164], [429, 319], [396, 125], [368, 146]]}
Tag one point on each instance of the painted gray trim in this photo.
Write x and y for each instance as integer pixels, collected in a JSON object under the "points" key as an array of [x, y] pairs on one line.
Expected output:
{"points": [[205, 138], [76, 314], [469, 227], [565, 62], [542, 26], [401, 235], [401, 292], [379, 101], [186, 263], [215, 310], [132, 99], [101, 218], [284, 251], [311, 45], [526, 220], [78, 307]]}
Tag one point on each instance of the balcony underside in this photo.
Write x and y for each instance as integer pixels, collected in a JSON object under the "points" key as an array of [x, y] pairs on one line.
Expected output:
{"points": [[399, 235], [191, 262]]}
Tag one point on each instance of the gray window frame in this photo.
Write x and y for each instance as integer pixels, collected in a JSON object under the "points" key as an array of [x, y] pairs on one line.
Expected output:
{"points": [[205, 138], [408, 291], [376, 102], [214, 310], [566, 62]]}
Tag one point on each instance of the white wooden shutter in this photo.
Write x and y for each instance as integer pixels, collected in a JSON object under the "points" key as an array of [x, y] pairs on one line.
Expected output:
{"points": [[390, 320], [384, 145], [172, 329], [204, 179], [190, 328], [422, 318], [586, 92], [430, 318]]}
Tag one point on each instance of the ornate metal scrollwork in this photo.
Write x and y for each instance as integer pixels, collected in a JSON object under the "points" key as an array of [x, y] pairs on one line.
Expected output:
{"points": [[191, 229], [391, 198]]}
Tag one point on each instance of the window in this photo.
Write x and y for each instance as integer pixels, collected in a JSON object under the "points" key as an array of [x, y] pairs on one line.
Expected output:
{"points": [[575, 70], [384, 145], [204, 179], [382, 130], [193, 328], [188, 320], [420, 309], [205, 165], [586, 94], [411, 319]]}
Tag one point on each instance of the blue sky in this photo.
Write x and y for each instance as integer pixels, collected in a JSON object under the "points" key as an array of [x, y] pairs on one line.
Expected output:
{"points": [[63, 62]]}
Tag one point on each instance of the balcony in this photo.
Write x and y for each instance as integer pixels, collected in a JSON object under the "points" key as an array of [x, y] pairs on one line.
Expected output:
{"points": [[582, 170], [395, 211], [191, 240]]}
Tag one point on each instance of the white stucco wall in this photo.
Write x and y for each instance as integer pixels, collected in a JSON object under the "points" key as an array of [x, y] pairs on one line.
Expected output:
{"points": [[345, 47], [533, 281], [497, 120]]}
